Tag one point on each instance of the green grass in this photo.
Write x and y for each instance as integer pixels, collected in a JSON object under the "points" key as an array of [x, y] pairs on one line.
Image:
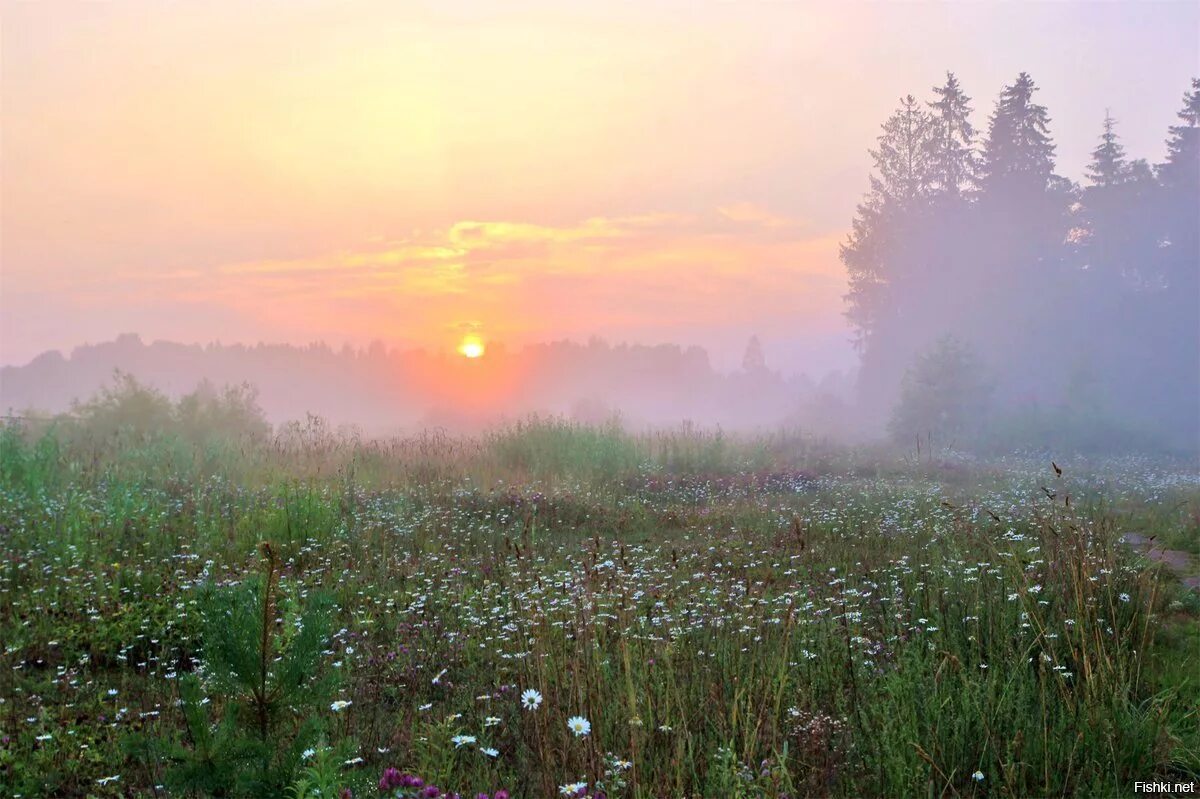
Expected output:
{"points": [[758, 618]]}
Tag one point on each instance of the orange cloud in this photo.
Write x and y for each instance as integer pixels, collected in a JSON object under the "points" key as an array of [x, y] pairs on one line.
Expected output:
{"points": [[652, 276]]}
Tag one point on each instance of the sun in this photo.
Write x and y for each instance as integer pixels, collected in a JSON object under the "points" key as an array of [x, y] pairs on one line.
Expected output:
{"points": [[471, 346]]}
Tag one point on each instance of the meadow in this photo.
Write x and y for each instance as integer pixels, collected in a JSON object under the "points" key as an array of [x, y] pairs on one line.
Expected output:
{"points": [[550, 609]]}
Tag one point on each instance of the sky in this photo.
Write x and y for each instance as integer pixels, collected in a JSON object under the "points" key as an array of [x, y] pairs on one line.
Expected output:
{"points": [[415, 172]]}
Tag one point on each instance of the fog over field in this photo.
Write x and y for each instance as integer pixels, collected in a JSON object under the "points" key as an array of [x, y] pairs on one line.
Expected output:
{"points": [[668, 399]]}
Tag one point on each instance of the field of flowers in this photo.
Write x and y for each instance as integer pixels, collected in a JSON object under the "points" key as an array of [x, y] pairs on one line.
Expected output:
{"points": [[553, 610]]}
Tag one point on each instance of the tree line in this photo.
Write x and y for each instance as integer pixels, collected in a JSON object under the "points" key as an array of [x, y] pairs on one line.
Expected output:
{"points": [[980, 278]]}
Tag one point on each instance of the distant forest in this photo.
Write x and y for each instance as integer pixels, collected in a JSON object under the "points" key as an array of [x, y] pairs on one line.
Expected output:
{"points": [[386, 390], [1023, 300]]}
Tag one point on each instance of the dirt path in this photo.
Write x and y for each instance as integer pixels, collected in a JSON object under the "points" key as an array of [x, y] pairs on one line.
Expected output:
{"points": [[1178, 561]]}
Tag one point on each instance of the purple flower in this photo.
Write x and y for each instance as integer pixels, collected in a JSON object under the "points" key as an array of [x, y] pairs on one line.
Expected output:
{"points": [[392, 778]]}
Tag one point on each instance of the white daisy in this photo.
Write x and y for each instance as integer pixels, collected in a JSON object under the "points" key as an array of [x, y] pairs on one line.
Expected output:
{"points": [[531, 699]]}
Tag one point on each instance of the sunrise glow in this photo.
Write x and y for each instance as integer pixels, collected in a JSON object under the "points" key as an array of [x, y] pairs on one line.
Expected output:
{"points": [[471, 347]]}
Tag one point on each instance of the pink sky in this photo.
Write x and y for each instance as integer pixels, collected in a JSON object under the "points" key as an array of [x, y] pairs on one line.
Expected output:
{"points": [[663, 171]]}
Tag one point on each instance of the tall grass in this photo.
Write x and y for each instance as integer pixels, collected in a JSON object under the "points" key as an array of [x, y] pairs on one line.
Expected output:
{"points": [[734, 617]]}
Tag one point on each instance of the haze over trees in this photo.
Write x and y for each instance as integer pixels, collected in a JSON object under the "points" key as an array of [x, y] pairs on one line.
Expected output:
{"points": [[1081, 303], [382, 390], [995, 305]]}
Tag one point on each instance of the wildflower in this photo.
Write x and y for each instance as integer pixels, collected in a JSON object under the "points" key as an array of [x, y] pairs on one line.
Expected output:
{"points": [[531, 699], [572, 788], [438, 679], [460, 741], [1123, 597], [489, 751], [579, 725], [107, 780], [392, 778], [340, 705], [977, 776], [307, 753], [491, 721]]}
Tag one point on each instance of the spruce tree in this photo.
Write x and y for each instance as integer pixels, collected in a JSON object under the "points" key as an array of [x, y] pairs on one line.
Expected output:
{"points": [[953, 162], [1172, 314], [266, 683], [1018, 151], [753, 360], [1182, 167], [1108, 167], [1179, 205], [900, 184], [1179, 211], [902, 160], [886, 253]]}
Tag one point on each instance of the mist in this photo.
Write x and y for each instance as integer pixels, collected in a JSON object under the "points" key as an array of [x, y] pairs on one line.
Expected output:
{"points": [[878, 241], [605, 400], [991, 305], [380, 391]]}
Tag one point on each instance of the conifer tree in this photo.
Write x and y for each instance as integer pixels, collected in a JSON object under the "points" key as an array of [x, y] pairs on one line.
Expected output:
{"points": [[903, 157], [1108, 167], [1182, 167], [900, 188], [953, 161], [1018, 151], [269, 691], [753, 360], [1179, 242]]}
